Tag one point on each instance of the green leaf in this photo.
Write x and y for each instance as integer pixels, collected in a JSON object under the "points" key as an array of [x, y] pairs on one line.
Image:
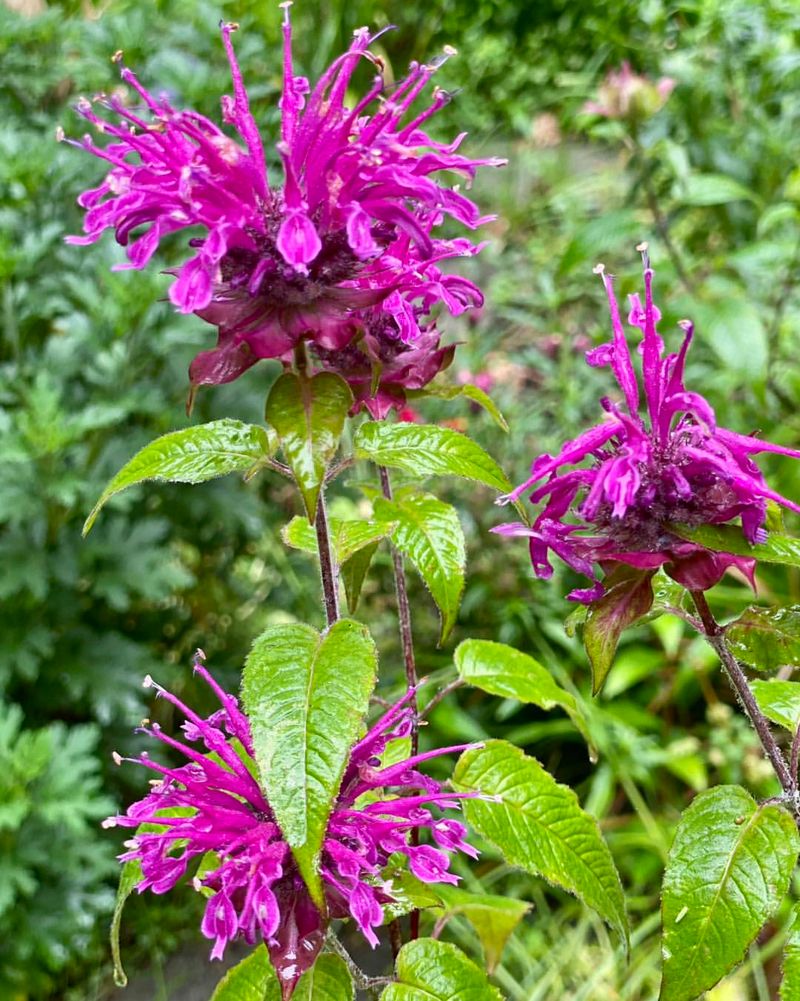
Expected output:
{"points": [[471, 392], [493, 918], [766, 638], [192, 455], [308, 416], [353, 573], [347, 537], [306, 695], [253, 979], [779, 701], [727, 871], [131, 875], [502, 670], [781, 549], [790, 985], [428, 450], [428, 532], [428, 970], [733, 327], [538, 825], [628, 597], [327, 980], [715, 189]]}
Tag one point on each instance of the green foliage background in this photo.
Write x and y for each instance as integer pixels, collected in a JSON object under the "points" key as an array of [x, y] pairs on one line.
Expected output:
{"points": [[93, 364]]}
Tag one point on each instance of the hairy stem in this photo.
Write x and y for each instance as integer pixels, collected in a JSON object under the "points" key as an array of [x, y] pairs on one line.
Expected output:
{"points": [[407, 642], [404, 615], [715, 635], [360, 979], [328, 568]]}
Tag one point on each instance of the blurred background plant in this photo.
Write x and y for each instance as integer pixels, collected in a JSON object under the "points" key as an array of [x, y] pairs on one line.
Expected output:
{"points": [[705, 168]]}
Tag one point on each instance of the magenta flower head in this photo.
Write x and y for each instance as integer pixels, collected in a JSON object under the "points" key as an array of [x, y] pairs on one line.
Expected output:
{"points": [[613, 494], [625, 94], [212, 810], [350, 225]]}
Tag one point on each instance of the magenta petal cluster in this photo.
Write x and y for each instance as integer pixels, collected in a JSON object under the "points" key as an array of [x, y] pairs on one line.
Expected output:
{"points": [[612, 494], [211, 810], [350, 226]]}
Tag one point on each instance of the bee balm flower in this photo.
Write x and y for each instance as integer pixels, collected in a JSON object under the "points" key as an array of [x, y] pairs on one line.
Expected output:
{"points": [[351, 224], [613, 493], [214, 804]]}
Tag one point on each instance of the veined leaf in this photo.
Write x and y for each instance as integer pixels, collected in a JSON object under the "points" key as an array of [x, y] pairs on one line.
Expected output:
{"points": [[729, 539], [428, 532], [502, 670], [538, 825], [428, 970], [191, 455], [253, 979], [428, 450], [308, 415], [354, 572], [468, 390], [327, 980], [727, 872], [766, 638], [779, 701], [715, 189], [493, 918], [790, 985], [306, 695], [628, 598], [408, 892], [346, 537]]}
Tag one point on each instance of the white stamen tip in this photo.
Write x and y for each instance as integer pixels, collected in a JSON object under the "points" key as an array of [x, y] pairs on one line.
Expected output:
{"points": [[450, 50], [642, 247], [108, 823], [117, 57], [200, 654], [598, 269], [685, 324], [147, 681], [116, 757], [60, 134], [197, 884]]}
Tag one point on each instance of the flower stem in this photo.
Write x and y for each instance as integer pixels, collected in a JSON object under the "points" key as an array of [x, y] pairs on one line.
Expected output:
{"points": [[715, 635], [328, 569], [404, 616], [407, 642]]}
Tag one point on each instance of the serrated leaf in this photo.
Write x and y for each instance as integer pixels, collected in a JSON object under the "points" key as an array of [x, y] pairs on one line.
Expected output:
{"points": [[253, 979], [766, 638], [428, 970], [308, 415], [353, 574], [429, 533], [628, 597], [727, 872], [306, 695], [538, 825], [346, 537], [779, 701], [494, 918], [778, 548], [191, 455], [715, 189], [502, 670], [428, 450], [790, 984], [468, 390], [327, 980], [131, 875], [733, 327]]}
